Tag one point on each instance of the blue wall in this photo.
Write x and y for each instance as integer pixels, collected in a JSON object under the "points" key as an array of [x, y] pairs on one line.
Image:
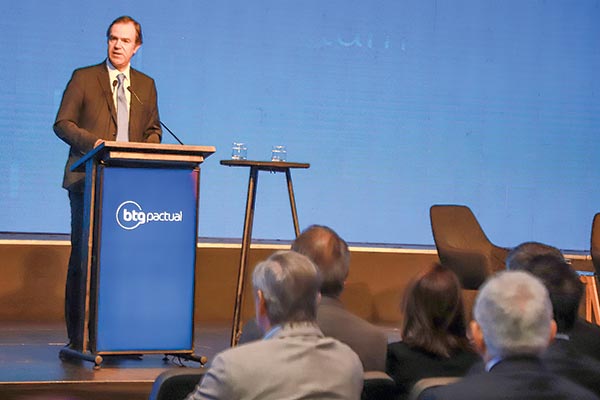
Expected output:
{"points": [[397, 105]]}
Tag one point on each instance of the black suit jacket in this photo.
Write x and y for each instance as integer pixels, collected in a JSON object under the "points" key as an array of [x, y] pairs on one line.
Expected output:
{"points": [[407, 365], [518, 378], [87, 113], [586, 338], [564, 359]]}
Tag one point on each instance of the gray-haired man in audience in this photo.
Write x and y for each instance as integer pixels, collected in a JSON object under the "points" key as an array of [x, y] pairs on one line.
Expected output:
{"points": [[330, 253], [294, 360], [513, 327]]}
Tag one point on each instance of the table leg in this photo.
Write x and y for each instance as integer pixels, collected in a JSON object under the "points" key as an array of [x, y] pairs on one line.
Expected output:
{"points": [[288, 176], [246, 240]]}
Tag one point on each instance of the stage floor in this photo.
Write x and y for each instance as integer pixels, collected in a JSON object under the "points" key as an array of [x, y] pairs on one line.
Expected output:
{"points": [[30, 367]]}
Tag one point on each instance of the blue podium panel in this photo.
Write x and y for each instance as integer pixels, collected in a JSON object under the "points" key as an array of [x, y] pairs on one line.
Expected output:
{"points": [[147, 252]]}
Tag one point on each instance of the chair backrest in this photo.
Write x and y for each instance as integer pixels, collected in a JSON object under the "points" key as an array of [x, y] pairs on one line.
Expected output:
{"points": [[176, 383], [377, 386], [595, 243], [456, 226], [463, 246], [427, 383]]}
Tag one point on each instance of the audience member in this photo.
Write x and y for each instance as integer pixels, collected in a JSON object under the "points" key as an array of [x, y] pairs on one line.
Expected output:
{"points": [[434, 341], [295, 359], [512, 328], [520, 256], [329, 252], [566, 291], [584, 335]]}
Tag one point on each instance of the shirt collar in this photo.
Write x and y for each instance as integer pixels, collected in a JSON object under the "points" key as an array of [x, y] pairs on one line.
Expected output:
{"points": [[299, 328], [272, 332], [490, 364], [113, 72]]}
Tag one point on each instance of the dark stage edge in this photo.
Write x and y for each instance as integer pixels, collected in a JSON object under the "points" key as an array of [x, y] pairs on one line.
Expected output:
{"points": [[30, 367]]}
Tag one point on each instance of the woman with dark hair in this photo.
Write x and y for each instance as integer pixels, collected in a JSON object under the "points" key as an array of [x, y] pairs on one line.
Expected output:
{"points": [[434, 340]]}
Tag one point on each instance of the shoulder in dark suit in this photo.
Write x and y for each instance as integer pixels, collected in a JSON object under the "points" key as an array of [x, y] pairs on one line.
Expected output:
{"points": [[586, 338], [564, 359], [518, 378], [406, 365]]}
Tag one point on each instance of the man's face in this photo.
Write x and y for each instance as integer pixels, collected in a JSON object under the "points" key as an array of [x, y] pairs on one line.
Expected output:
{"points": [[121, 44]]}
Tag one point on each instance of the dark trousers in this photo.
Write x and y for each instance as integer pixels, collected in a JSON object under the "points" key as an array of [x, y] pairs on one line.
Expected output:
{"points": [[75, 287]]}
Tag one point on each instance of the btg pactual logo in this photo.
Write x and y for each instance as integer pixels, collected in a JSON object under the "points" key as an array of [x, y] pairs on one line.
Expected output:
{"points": [[130, 215]]}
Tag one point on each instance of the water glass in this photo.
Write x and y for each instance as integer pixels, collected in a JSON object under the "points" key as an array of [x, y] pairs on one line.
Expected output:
{"points": [[239, 151], [278, 153]]}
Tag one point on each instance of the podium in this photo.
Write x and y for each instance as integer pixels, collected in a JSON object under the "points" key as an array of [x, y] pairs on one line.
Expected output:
{"points": [[139, 250]]}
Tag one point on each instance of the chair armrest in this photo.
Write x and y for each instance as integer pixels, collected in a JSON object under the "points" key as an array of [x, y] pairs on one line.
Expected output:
{"points": [[427, 383]]}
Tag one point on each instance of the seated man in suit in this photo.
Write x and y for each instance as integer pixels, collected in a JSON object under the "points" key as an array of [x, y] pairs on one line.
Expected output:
{"points": [[512, 328], [566, 291], [583, 335], [294, 359], [330, 253]]}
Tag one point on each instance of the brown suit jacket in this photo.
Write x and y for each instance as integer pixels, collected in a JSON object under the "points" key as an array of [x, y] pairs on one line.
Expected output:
{"points": [[87, 113], [368, 341]]}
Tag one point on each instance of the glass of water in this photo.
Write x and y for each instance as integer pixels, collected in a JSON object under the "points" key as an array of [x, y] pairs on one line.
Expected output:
{"points": [[278, 153], [239, 151]]}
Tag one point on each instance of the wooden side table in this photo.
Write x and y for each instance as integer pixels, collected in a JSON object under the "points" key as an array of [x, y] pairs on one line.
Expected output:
{"points": [[255, 167]]}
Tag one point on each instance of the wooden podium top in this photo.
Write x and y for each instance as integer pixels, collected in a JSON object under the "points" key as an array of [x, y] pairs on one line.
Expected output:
{"points": [[133, 152]]}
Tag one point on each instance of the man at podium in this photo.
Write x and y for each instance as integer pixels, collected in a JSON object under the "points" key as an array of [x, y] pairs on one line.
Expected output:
{"points": [[107, 101]]}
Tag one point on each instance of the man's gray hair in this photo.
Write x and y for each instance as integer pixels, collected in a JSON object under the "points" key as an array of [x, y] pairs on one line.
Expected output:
{"points": [[514, 312], [290, 285]]}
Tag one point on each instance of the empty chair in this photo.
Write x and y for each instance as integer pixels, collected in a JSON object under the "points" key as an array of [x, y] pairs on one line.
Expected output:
{"points": [[463, 246]]}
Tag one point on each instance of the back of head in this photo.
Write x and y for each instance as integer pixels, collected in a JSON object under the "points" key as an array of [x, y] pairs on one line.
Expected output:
{"points": [[324, 247], [515, 315], [434, 313], [290, 285], [563, 285], [519, 257]]}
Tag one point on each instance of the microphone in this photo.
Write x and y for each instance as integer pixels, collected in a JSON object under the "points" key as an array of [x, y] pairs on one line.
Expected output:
{"points": [[164, 126], [171, 132], [115, 83]]}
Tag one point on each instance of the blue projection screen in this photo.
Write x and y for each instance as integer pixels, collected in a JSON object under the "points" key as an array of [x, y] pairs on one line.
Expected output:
{"points": [[397, 105]]}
